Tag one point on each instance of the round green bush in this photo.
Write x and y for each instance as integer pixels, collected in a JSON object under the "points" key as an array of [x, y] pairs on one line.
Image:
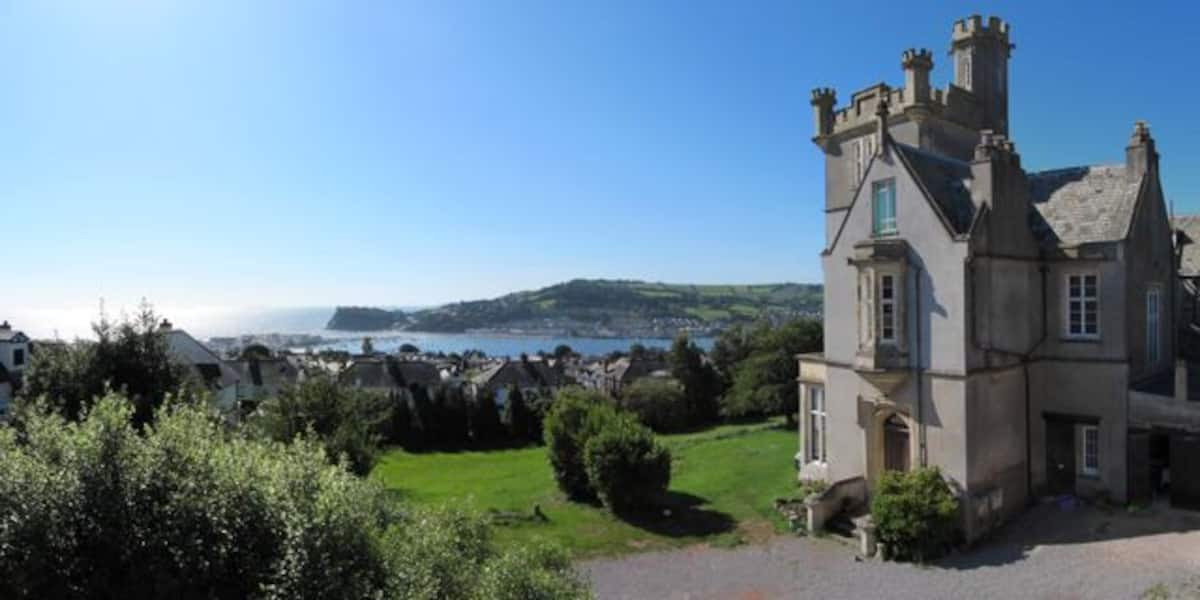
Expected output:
{"points": [[915, 514], [626, 466], [573, 418], [659, 403]]}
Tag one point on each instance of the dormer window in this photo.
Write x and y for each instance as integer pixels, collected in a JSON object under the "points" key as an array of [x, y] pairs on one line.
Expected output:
{"points": [[883, 207]]}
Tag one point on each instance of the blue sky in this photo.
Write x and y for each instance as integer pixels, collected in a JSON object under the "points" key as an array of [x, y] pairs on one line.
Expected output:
{"points": [[309, 153]]}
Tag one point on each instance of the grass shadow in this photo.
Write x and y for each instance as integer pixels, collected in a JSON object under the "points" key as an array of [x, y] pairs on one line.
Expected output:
{"points": [[680, 515]]}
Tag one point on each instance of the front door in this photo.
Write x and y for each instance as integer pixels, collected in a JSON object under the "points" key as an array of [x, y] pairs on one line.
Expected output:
{"points": [[1060, 457], [895, 444]]}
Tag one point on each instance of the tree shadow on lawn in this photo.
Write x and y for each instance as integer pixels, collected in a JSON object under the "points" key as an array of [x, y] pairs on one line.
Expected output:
{"points": [[680, 515]]}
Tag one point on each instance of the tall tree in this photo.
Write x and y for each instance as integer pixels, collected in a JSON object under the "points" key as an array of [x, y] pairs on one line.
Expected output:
{"points": [[368, 346], [764, 382], [700, 383], [486, 427], [517, 416]]}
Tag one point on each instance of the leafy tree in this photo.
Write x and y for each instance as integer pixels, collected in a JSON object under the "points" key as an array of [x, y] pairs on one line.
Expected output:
{"points": [[453, 420], [637, 350], [659, 403], [185, 509], [626, 466], [399, 428], [346, 420], [368, 346], [701, 386], [425, 428], [764, 383], [575, 416], [408, 348], [732, 346], [915, 514], [486, 427], [517, 415], [132, 357], [562, 351]]}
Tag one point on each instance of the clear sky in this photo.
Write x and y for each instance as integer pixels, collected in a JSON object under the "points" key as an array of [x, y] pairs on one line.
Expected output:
{"points": [[232, 153]]}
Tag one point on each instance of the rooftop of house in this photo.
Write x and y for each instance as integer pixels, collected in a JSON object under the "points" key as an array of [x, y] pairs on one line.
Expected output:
{"points": [[389, 372], [1189, 225], [948, 182], [1082, 205]]}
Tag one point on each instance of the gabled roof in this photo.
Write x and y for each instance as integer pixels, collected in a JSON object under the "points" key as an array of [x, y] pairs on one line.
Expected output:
{"points": [[532, 373], [947, 181], [390, 373], [1082, 205]]}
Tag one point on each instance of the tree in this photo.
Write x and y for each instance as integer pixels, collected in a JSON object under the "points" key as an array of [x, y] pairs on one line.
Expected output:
{"points": [[368, 346], [732, 346], [399, 428], [185, 509], [700, 384], [764, 382], [517, 416], [408, 348], [574, 417], [486, 427], [626, 466], [453, 420], [425, 427], [659, 403], [637, 350], [132, 357], [562, 351], [347, 421]]}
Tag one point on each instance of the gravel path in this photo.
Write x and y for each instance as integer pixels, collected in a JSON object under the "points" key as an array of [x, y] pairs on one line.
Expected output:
{"points": [[1043, 554]]}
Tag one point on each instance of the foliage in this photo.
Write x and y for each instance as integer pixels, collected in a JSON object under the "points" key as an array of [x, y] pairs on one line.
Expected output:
{"points": [[562, 351], [368, 346], [486, 427], [626, 466], [345, 420], [517, 416], [407, 348], [659, 403], [452, 418], [915, 514], [701, 386], [132, 357], [576, 415], [186, 510], [763, 379]]}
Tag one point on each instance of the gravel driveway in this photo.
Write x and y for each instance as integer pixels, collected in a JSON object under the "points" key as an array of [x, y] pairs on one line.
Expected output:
{"points": [[1045, 553]]}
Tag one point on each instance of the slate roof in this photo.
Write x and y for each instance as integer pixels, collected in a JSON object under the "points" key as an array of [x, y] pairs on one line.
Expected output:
{"points": [[533, 373], [389, 373], [1082, 205], [947, 180]]}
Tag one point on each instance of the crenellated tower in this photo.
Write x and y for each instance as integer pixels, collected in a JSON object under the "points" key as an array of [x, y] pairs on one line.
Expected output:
{"points": [[980, 51]]}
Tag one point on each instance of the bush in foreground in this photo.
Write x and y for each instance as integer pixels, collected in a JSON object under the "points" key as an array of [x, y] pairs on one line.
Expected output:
{"points": [[626, 467], [573, 418], [915, 514], [187, 509]]}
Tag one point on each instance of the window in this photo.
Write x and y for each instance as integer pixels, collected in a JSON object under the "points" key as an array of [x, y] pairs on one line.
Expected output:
{"points": [[18, 357], [816, 424], [964, 69], [883, 207], [864, 149], [887, 308], [1152, 337], [1091, 450], [1083, 306]]}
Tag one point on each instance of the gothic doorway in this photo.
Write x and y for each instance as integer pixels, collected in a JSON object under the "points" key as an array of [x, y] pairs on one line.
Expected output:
{"points": [[895, 444]]}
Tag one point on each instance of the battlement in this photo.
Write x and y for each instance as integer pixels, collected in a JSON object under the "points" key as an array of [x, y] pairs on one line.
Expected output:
{"points": [[916, 58], [994, 145], [823, 95], [974, 26]]}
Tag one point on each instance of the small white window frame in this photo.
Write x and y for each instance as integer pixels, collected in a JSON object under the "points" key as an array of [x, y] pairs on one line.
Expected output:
{"points": [[1086, 468], [817, 447], [1068, 299], [886, 281]]}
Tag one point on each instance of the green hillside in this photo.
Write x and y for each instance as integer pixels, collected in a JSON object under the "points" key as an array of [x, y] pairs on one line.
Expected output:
{"points": [[596, 306]]}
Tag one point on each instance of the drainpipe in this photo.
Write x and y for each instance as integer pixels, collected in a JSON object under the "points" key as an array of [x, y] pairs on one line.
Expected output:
{"points": [[1025, 359], [921, 453]]}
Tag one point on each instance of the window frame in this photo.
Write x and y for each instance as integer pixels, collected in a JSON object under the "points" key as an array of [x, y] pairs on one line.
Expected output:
{"points": [[1092, 470], [1082, 299], [887, 282], [18, 357], [883, 226], [816, 445], [1154, 334]]}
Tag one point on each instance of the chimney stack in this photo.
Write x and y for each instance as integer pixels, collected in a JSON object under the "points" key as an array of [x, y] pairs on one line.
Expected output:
{"points": [[1140, 155], [917, 63]]}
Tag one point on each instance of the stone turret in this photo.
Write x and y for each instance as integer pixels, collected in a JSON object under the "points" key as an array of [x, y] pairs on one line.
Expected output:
{"points": [[823, 101], [1140, 155], [917, 63], [980, 50]]}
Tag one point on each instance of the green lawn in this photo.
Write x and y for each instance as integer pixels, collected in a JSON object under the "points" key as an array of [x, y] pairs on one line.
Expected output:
{"points": [[723, 485]]}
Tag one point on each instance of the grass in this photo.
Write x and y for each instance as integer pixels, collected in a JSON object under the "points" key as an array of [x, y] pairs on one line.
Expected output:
{"points": [[723, 486]]}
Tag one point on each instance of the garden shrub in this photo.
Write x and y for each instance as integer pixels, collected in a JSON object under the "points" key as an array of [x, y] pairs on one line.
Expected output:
{"points": [[915, 514], [626, 466], [573, 418]]}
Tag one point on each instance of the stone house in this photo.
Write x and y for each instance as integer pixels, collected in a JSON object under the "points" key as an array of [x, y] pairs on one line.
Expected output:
{"points": [[14, 355], [1000, 324]]}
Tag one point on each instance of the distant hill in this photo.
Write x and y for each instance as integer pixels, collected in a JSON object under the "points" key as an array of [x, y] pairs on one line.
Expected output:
{"points": [[598, 307]]}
